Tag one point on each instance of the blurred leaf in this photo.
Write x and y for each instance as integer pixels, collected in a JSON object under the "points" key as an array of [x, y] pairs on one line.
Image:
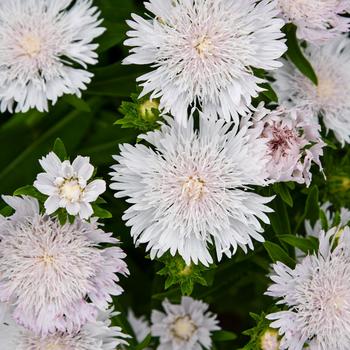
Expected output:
{"points": [[312, 210], [144, 343], [220, 336], [276, 253], [301, 243], [31, 191], [295, 54], [283, 190], [60, 149]]}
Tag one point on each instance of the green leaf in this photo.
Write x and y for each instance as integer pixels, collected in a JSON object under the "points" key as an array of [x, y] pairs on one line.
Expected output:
{"points": [[144, 344], [114, 35], [100, 212], [283, 190], [224, 336], [78, 103], [302, 243], [30, 191], [269, 92], [276, 253], [60, 149], [295, 54], [6, 211], [312, 209]]}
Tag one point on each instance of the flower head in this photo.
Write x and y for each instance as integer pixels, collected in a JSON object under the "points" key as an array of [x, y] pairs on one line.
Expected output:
{"points": [[191, 190], [317, 20], [67, 185], [329, 98], [187, 326], [202, 52], [316, 293], [95, 335], [40, 41], [294, 143], [47, 271]]}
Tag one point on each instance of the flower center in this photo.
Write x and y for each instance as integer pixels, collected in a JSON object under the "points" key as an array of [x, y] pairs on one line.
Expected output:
{"points": [[325, 89], [193, 188], [31, 45], [183, 328], [71, 190], [203, 46], [47, 259], [54, 347]]}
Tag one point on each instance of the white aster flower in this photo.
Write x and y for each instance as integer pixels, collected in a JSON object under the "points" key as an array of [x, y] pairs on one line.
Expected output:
{"points": [[41, 41], [192, 189], [202, 52], [139, 325], [294, 143], [67, 185], [314, 230], [49, 271], [317, 296], [187, 326], [95, 335], [330, 98], [317, 20]]}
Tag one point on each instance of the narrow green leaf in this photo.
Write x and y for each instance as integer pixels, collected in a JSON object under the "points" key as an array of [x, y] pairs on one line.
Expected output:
{"points": [[30, 191], [60, 149], [276, 253], [100, 212], [224, 336], [295, 54], [283, 190], [144, 343], [312, 210], [302, 243]]}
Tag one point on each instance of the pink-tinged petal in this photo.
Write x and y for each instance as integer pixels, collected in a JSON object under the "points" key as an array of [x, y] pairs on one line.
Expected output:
{"points": [[83, 168], [52, 204], [94, 189], [85, 210], [51, 164]]}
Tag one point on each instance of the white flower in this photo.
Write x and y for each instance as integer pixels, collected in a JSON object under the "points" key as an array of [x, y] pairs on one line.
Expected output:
{"points": [[317, 20], [294, 143], [67, 185], [49, 271], [192, 190], [41, 41], [95, 335], [317, 294], [315, 230], [187, 326], [330, 98], [202, 52], [140, 326]]}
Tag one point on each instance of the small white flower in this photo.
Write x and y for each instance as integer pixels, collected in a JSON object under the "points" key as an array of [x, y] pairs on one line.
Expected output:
{"points": [[55, 276], [97, 334], [330, 98], [192, 190], [187, 326], [317, 294], [294, 143], [140, 326], [202, 52], [315, 230], [41, 41], [317, 20], [67, 185]]}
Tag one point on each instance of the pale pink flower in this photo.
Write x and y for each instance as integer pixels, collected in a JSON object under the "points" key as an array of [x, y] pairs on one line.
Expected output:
{"points": [[294, 143], [49, 271]]}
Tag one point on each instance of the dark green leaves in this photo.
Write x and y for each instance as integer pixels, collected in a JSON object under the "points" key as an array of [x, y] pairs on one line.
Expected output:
{"points": [[60, 149], [295, 54], [276, 253]]}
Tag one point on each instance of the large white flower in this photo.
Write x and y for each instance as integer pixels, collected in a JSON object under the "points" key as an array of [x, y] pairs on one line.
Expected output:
{"points": [[202, 52], [98, 334], [67, 185], [294, 143], [187, 326], [317, 20], [41, 41], [49, 272], [191, 190], [330, 98], [317, 295]]}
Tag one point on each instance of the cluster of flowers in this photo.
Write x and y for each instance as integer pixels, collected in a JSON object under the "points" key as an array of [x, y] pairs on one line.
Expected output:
{"points": [[191, 190]]}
